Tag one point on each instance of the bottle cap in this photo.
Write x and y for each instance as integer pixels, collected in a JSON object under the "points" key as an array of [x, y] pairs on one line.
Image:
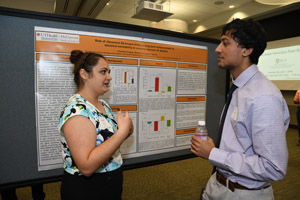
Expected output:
{"points": [[201, 123]]}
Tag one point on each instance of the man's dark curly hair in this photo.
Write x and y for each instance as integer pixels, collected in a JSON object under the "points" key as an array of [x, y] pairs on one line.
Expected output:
{"points": [[248, 34]]}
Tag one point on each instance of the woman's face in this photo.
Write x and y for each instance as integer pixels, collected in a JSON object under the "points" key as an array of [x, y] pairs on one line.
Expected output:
{"points": [[99, 80]]}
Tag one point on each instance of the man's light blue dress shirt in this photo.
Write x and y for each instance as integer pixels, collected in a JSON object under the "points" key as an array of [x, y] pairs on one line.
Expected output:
{"points": [[253, 150]]}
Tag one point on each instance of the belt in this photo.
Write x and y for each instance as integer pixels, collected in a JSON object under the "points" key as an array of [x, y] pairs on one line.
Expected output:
{"points": [[231, 185]]}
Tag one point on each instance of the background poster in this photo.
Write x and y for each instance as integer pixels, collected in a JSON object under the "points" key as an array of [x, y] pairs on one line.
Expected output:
{"points": [[162, 85]]}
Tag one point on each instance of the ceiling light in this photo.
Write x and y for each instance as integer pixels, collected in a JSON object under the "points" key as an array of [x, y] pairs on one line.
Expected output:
{"points": [[231, 6], [200, 29], [107, 3], [277, 2], [194, 20]]}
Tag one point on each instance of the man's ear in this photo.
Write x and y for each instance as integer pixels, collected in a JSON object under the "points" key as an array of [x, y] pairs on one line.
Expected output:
{"points": [[247, 52]]}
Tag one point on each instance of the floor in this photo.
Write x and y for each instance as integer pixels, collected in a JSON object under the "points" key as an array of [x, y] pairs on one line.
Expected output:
{"points": [[183, 180]]}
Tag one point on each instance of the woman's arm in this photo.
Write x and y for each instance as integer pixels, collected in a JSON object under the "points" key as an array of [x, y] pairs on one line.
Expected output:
{"points": [[80, 135]]}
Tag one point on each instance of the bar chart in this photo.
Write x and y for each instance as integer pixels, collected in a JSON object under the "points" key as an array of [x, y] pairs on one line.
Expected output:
{"points": [[158, 82], [123, 87], [124, 76]]}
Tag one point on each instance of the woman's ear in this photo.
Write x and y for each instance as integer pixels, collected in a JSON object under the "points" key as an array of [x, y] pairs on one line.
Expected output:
{"points": [[83, 74]]}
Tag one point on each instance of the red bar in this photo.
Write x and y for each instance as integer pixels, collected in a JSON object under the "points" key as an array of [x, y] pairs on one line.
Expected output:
{"points": [[155, 125], [156, 84], [125, 77]]}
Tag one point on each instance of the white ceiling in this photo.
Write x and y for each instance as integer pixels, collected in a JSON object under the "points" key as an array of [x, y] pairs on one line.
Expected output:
{"points": [[209, 16]]}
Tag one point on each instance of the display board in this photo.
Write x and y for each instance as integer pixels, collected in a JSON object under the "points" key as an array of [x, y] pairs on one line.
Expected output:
{"points": [[168, 81], [158, 82]]}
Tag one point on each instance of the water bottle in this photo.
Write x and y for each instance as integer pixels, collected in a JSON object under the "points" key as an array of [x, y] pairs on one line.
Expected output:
{"points": [[201, 130]]}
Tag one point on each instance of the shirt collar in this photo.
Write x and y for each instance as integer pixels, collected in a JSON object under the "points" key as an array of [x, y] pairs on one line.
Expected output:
{"points": [[245, 76]]}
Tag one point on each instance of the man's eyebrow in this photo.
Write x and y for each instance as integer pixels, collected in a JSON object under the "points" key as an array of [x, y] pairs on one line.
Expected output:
{"points": [[223, 39]]}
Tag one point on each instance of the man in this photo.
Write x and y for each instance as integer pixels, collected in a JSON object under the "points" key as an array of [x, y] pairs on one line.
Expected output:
{"points": [[253, 151]]}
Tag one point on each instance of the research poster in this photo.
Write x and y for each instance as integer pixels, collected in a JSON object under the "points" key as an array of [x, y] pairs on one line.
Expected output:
{"points": [[161, 83]]}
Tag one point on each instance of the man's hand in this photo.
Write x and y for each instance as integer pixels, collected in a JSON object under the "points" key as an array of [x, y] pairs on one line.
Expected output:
{"points": [[201, 148]]}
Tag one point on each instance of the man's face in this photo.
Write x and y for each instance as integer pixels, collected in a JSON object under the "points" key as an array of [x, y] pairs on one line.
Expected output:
{"points": [[229, 52]]}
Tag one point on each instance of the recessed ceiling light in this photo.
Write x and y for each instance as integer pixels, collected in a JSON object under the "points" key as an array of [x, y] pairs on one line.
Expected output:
{"points": [[219, 2], [194, 20], [231, 6], [107, 4]]}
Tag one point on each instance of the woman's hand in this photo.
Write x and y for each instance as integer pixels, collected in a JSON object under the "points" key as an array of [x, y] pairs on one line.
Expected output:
{"points": [[125, 123]]}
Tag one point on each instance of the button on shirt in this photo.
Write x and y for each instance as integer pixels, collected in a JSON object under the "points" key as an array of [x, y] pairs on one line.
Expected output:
{"points": [[253, 150]]}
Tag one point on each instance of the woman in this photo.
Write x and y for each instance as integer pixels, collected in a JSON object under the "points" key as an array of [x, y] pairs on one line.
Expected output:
{"points": [[90, 136]]}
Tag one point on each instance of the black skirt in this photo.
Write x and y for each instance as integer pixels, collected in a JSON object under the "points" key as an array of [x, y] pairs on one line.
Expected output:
{"points": [[104, 186]]}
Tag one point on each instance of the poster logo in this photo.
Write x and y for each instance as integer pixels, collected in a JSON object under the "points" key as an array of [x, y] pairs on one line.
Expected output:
{"points": [[57, 37]]}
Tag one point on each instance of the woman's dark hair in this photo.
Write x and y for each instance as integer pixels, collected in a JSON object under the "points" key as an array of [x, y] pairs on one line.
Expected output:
{"points": [[248, 34], [86, 61]]}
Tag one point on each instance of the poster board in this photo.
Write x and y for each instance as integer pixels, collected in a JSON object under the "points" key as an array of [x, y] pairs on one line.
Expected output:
{"points": [[20, 137], [162, 84]]}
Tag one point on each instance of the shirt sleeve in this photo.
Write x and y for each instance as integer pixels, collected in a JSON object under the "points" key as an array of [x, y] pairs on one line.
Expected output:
{"points": [[71, 110], [268, 162]]}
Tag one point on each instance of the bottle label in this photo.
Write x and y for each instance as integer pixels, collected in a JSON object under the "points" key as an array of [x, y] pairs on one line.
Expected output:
{"points": [[203, 137]]}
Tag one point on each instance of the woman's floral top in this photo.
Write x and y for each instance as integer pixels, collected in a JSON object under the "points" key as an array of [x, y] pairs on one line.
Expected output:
{"points": [[105, 126]]}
